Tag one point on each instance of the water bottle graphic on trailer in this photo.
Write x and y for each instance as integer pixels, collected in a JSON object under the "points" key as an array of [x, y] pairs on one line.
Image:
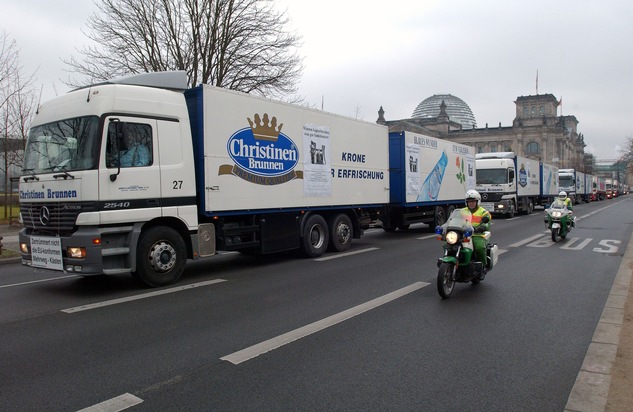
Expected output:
{"points": [[433, 182]]}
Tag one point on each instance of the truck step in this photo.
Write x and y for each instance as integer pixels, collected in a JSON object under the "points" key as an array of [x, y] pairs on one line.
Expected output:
{"points": [[118, 271], [115, 229], [115, 251]]}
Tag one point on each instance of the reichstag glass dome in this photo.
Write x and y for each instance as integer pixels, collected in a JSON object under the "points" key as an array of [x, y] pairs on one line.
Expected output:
{"points": [[457, 110]]}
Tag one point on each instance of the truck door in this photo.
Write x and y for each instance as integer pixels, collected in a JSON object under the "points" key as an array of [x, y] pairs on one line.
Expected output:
{"points": [[129, 173]]}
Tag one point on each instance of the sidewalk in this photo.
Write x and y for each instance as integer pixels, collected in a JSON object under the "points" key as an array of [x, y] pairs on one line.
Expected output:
{"points": [[605, 378]]}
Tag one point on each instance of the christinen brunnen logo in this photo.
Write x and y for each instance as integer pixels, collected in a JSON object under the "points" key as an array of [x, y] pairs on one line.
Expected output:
{"points": [[262, 153]]}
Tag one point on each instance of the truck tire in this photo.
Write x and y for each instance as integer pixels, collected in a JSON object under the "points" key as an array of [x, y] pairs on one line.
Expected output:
{"points": [[440, 217], [161, 257], [314, 241], [340, 233], [512, 210]]}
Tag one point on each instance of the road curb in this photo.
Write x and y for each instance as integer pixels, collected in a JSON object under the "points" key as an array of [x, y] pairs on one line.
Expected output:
{"points": [[591, 389]]}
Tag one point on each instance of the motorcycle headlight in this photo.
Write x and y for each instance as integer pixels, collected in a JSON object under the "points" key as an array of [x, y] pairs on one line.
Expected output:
{"points": [[557, 214], [452, 237]]}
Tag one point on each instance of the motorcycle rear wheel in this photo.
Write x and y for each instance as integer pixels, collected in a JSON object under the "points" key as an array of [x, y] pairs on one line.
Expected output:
{"points": [[445, 281]]}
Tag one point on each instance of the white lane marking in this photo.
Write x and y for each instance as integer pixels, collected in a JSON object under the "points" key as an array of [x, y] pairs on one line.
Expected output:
{"points": [[142, 296], [340, 255], [253, 351], [525, 241], [119, 403], [427, 237], [501, 251], [37, 281]]}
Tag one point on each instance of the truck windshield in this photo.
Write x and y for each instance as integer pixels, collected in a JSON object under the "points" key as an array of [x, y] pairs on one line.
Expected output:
{"points": [[566, 181], [66, 145], [492, 176]]}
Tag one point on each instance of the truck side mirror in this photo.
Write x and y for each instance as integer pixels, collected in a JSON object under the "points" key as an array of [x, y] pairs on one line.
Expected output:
{"points": [[117, 138]]}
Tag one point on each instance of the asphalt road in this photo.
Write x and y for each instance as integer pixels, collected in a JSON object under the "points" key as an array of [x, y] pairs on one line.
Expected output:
{"points": [[364, 330]]}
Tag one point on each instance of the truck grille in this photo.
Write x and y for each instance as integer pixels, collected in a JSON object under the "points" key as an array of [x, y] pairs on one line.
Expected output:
{"points": [[53, 218], [491, 197]]}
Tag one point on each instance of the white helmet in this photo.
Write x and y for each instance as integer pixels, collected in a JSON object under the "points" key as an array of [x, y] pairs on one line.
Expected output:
{"points": [[473, 194], [562, 195]]}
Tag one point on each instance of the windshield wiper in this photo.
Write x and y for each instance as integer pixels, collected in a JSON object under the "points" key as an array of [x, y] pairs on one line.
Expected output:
{"points": [[63, 173], [32, 175]]}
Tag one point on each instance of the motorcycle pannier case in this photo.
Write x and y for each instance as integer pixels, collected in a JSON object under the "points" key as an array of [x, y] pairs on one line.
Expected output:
{"points": [[493, 255]]}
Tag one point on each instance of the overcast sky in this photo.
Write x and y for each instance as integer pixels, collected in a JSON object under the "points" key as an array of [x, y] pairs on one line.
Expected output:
{"points": [[363, 54]]}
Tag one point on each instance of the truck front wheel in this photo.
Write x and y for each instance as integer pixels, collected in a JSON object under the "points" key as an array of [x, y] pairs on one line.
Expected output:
{"points": [[315, 236], [161, 257]]}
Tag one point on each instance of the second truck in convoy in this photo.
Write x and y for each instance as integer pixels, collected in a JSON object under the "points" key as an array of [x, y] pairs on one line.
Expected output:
{"points": [[577, 185], [509, 183], [139, 174]]}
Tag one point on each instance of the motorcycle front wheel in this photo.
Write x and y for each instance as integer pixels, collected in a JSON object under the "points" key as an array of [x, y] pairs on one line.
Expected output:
{"points": [[445, 281], [554, 234]]}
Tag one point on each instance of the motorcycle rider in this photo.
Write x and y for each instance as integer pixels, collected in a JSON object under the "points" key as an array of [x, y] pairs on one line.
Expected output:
{"points": [[562, 197], [480, 222]]}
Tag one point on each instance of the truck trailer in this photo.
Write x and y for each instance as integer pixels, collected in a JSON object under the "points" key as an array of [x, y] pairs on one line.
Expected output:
{"points": [[428, 179], [139, 174], [598, 188]]}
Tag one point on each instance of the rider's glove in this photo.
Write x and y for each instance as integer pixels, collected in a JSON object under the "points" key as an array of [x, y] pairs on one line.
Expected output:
{"points": [[480, 229]]}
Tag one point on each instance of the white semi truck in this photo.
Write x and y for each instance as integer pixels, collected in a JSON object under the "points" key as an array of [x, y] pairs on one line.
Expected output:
{"points": [[576, 184], [226, 172], [509, 183], [139, 174]]}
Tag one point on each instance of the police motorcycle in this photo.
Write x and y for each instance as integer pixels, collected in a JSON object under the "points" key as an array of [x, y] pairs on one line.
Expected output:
{"points": [[459, 261], [559, 220]]}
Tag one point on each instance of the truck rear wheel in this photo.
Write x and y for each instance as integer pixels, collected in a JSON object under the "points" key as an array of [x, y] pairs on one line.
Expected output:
{"points": [[341, 233], [161, 257], [314, 241]]}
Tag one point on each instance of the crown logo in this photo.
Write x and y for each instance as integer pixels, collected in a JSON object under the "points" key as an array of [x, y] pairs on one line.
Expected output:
{"points": [[262, 130]]}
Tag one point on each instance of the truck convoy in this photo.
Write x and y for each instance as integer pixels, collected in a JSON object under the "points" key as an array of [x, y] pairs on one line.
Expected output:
{"points": [[139, 174], [509, 183]]}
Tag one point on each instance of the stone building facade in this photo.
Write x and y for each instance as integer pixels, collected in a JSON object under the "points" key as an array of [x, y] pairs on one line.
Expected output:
{"points": [[537, 132]]}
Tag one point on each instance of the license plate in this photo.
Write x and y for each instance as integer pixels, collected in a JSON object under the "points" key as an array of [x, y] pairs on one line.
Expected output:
{"points": [[489, 206]]}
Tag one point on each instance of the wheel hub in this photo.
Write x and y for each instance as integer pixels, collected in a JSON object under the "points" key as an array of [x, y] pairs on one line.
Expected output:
{"points": [[162, 257]]}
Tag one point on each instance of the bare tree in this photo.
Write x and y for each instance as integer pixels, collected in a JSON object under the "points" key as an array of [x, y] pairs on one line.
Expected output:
{"points": [[627, 150], [17, 103], [237, 44]]}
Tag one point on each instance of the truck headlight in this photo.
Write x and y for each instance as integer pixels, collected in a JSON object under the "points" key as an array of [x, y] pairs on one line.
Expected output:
{"points": [[76, 252]]}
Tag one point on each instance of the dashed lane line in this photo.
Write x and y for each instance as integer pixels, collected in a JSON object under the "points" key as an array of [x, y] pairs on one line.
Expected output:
{"points": [[271, 344], [142, 296], [117, 404]]}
